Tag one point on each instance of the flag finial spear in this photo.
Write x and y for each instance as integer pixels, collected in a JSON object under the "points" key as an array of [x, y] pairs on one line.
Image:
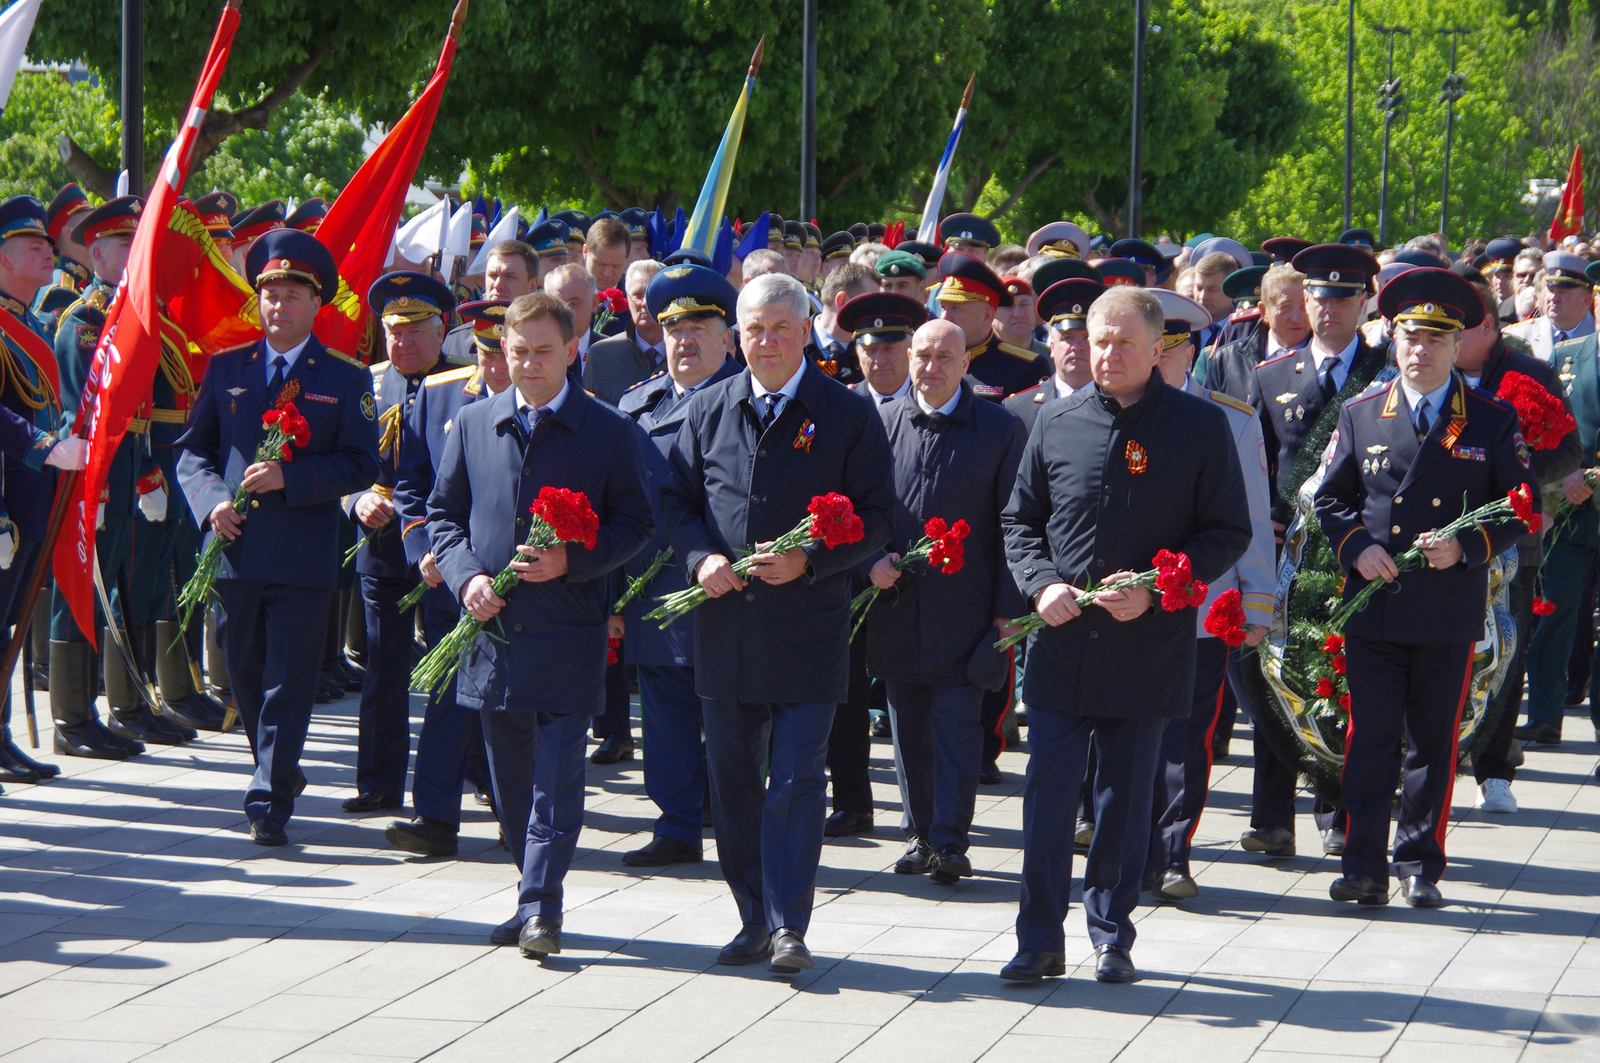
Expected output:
{"points": [[755, 60], [966, 96], [458, 17]]}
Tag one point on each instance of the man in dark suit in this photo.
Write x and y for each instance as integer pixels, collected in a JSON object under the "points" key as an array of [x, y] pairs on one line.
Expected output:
{"points": [[695, 307], [770, 650], [1289, 393], [283, 558], [1109, 477], [954, 457], [1407, 453], [537, 687], [618, 362]]}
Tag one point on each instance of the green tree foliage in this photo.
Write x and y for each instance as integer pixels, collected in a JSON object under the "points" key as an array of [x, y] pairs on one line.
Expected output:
{"points": [[43, 107]]}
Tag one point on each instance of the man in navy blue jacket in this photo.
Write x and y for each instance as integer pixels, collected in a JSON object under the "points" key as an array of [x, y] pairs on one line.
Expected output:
{"points": [[282, 560], [538, 686], [771, 650]]}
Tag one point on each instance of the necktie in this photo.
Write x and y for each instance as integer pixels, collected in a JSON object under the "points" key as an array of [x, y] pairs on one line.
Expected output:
{"points": [[280, 369], [1424, 418], [884, 400], [1329, 388], [1561, 336], [771, 412]]}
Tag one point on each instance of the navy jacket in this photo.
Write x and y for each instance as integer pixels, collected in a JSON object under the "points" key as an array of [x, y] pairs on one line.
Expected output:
{"points": [[961, 467], [291, 536], [1102, 489], [432, 418], [25, 439], [733, 486], [1383, 485], [658, 411], [550, 655]]}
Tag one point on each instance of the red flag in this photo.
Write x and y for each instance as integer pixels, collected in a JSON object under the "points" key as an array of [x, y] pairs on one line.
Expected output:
{"points": [[1569, 215], [130, 348], [360, 225]]}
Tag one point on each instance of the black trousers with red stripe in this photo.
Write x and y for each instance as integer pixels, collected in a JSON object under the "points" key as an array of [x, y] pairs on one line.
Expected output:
{"points": [[1183, 777], [1414, 692]]}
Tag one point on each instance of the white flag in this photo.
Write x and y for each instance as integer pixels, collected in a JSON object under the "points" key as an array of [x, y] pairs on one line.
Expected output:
{"points": [[457, 239], [16, 24], [423, 236], [505, 229]]}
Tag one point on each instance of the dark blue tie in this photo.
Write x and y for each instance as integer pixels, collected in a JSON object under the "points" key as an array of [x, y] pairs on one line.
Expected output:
{"points": [[1424, 418], [771, 413], [280, 369]]}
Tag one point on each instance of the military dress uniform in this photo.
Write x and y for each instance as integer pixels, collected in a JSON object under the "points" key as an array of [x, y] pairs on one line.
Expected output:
{"points": [[1402, 464], [1101, 488], [277, 577], [996, 369], [383, 743], [1562, 269]]}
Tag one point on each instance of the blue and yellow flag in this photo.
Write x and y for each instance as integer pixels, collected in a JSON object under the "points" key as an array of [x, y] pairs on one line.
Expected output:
{"points": [[701, 234]]}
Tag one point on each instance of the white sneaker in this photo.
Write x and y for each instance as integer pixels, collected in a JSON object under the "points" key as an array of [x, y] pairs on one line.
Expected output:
{"points": [[1496, 797]]}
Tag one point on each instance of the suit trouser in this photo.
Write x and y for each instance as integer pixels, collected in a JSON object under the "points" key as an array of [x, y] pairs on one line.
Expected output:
{"points": [[1183, 777], [674, 754], [850, 742], [1124, 785], [1580, 666], [1415, 692], [614, 722], [536, 767], [270, 632], [1494, 760], [938, 752], [769, 836], [449, 737], [383, 742], [1568, 568], [996, 704]]}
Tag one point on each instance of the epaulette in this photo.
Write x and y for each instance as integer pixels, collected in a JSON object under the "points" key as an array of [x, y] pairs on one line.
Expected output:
{"points": [[1224, 399], [358, 363], [657, 375], [236, 349], [1371, 391], [1027, 354], [449, 376], [1249, 313], [378, 368], [1569, 344], [1281, 357]]}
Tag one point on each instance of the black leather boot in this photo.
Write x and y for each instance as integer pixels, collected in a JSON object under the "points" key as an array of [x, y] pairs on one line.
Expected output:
{"points": [[131, 718], [217, 682], [79, 733], [16, 765], [39, 642], [165, 654]]}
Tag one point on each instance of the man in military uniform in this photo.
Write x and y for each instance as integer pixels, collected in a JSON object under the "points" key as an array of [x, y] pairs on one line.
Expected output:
{"points": [[1157, 267], [1409, 652], [252, 224], [1064, 307], [512, 270], [307, 217], [282, 560], [901, 272], [969, 295], [72, 273], [413, 308], [1498, 265], [1567, 311], [968, 234], [1059, 239], [30, 412], [1283, 328], [835, 253], [695, 307], [1109, 477]]}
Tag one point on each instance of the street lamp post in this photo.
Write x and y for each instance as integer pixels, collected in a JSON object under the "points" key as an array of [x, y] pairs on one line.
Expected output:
{"points": [[1390, 101], [1349, 107], [1136, 162], [1455, 86], [808, 117], [133, 94]]}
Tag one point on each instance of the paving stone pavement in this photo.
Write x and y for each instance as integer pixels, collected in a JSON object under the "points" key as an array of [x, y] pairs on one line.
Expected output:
{"points": [[138, 922]]}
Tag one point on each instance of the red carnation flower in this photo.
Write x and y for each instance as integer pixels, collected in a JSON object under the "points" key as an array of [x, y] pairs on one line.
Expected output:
{"points": [[935, 528], [616, 299], [271, 417], [612, 646], [1522, 504], [1543, 417], [834, 520], [1344, 703], [1225, 619], [1325, 687], [569, 515], [1543, 607], [1333, 644], [1176, 583], [1339, 664]]}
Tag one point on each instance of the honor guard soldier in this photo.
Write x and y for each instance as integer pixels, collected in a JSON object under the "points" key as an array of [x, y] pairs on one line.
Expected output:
{"points": [[954, 457], [695, 308], [1109, 477], [1064, 308], [30, 412], [1567, 311], [537, 686], [450, 742], [107, 232], [1407, 454], [413, 308], [282, 560], [771, 651], [251, 225], [307, 217], [1183, 777], [969, 295], [216, 212], [72, 273]]}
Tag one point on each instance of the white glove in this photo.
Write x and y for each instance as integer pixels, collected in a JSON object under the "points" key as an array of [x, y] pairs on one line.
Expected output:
{"points": [[153, 504], [8, 547], [70, 454]]}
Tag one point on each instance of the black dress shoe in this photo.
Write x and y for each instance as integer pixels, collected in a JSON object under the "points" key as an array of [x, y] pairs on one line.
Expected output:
{"points": [[917, 860], [1175, 885], [989, 774], [423, 836], [196, 712], [1113, 964], [266, 832], [789, 953], [845, 823], [752, 944], [1539, 734], [17, 766], [1032, 966], [611, 750], [139, 725], [481, 797], [540, 937], [299, 786], [1276, 842], [1361, 889], [1420, 893], [1083, 835], [662, 852], [879, 727], [949, 865], [1333, 842], [88, 740], [1219, 749], [507, 933], [370, 802]]}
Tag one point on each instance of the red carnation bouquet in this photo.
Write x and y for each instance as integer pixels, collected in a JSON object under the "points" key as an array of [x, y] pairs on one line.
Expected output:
{"points": [[1225, 619], [830, 519], [283, 429], [559, 516], [609, 302], [1543, 417], [1172, 578], [940, 546]]}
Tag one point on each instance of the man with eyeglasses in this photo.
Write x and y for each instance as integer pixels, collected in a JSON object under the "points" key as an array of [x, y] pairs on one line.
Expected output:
{"points": [[1567, 295]]}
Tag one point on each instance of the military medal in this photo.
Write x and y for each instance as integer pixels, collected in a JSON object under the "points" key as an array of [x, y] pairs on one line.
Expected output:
{"points": [[805, 437], [1138, 459]]}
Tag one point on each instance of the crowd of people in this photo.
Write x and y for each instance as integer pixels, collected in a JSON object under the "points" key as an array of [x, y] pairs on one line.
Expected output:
{"points": [[1012, 437]]}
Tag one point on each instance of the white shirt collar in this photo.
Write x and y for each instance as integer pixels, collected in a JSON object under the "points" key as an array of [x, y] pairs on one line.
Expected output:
{"points": [[1345, 356], [905, 389], [1276, 348], [290, 356], [1435, 398], [947, 409], [550, 407], [1063, 389], [789, 390]]}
